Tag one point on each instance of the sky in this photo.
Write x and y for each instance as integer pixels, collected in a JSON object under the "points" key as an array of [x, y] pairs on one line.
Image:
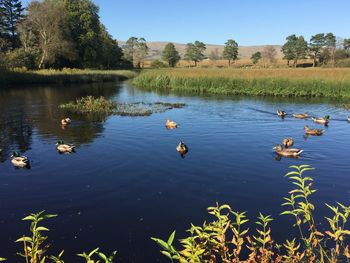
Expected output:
{"points": [[249, 22]]}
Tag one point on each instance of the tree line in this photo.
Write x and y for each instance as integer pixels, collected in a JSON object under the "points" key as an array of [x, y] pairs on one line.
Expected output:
{"points": [[69, 33], [61, 33]]}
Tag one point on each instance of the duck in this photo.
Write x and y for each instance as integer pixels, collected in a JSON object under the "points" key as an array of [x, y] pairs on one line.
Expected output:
{"points": [[288, 142], [19, 160], [287, 152], [324, 120], [170, 124], [64, 148], [66, 121], [348, 119], [309, 131], [301, 115], [281, 113], [182, 148]]}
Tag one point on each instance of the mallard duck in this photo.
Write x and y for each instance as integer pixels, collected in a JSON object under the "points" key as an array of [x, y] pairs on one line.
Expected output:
{"points": [[170, 124], [281, 113], [301, 115], [66, 121], [64, 148], [288, 142], [182, 148], [323, 120], [313, 131], [287, 152], [19, 160]]}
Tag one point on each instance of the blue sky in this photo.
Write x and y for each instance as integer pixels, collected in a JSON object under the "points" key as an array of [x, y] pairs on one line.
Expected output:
{"points": [[249, 22]]}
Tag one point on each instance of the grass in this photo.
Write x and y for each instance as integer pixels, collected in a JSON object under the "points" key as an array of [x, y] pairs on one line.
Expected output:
{"points": [[23, 77], [104, 106], [319, 82]]}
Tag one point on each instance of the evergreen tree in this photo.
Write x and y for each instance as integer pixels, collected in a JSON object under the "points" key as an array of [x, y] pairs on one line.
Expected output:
{"points": [[11, 13], [194, 52], [230, 51], [170, 54], [256, 57]]}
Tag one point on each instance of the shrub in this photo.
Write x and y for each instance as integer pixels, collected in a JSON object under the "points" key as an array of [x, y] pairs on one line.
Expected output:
{"points": [[158, 64]]}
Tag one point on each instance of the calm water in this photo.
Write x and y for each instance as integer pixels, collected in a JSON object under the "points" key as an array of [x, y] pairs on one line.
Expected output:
{"points": [[126, 181]]}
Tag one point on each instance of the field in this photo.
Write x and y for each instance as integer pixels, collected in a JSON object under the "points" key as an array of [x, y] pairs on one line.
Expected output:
{"points": [[310, 82], [19, 77]]}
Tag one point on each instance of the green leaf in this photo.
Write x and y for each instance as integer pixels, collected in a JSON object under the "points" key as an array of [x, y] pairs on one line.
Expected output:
{"points": [[26, 239], [171, 238]]}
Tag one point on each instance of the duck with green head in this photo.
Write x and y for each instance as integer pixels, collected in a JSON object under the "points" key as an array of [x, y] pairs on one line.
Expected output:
{"points": [[63, 147], [19, 160], [324, 120]]}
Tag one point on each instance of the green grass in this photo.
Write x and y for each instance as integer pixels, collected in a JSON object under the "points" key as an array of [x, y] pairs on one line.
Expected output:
{"points": [[332, 83], [18, 77]]}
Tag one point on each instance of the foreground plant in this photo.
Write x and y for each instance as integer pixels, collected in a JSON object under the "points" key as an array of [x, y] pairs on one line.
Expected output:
{"points": [[225, 237], [35, 247]]}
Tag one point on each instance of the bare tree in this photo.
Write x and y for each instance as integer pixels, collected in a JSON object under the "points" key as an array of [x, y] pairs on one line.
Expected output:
{"points": [[214, 54], [268, 55]]}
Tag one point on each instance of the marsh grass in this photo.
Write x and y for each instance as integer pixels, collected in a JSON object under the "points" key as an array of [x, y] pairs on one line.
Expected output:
{"points": [[227, 238], [65, 76], [332, 83], [101, 105]]}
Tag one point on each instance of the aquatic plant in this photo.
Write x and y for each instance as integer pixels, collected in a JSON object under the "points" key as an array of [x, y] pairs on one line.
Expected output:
{"points": [[227, 237], [333, 83], [36, 249], [102, 105], [90, 104]]}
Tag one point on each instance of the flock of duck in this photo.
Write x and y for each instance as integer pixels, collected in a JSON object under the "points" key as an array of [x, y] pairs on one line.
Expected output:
{"points": [[284, 148], [22, 161]]}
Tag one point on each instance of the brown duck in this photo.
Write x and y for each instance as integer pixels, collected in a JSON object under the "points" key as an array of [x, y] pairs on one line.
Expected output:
{"points": [[309, 131], [287, 152]]}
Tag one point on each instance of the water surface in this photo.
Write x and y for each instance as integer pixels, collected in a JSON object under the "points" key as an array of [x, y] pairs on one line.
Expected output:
{"points": [[126, 182]]}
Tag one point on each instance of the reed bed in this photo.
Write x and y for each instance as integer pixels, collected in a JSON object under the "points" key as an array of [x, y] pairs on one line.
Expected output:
{"points": [[23, 77], [320, 82]]}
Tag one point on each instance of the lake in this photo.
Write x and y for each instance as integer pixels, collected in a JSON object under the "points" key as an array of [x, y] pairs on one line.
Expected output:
{"points": [[126, 182]]}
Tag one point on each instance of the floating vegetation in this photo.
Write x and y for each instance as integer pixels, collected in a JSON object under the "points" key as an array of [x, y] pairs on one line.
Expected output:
{"points": [[102, 105]]}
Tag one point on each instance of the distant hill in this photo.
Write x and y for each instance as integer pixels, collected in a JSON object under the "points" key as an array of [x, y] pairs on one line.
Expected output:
{"points": [[245, 52]]}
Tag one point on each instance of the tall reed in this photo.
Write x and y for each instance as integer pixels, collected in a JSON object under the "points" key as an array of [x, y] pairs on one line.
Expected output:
{"points": [[332, 83]]}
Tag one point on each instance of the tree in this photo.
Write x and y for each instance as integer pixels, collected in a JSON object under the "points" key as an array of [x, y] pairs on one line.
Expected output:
{"points": [[194, 52], [330, 45], [11, 13], [294, 49], [85, 30], [135, 51], [170, 54], [111, 56], [256, 57], [230, 51], [301, 50], [346, 45], [289, 48], [48, 21], [317, 42], [269, 55], [141, 52]]}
